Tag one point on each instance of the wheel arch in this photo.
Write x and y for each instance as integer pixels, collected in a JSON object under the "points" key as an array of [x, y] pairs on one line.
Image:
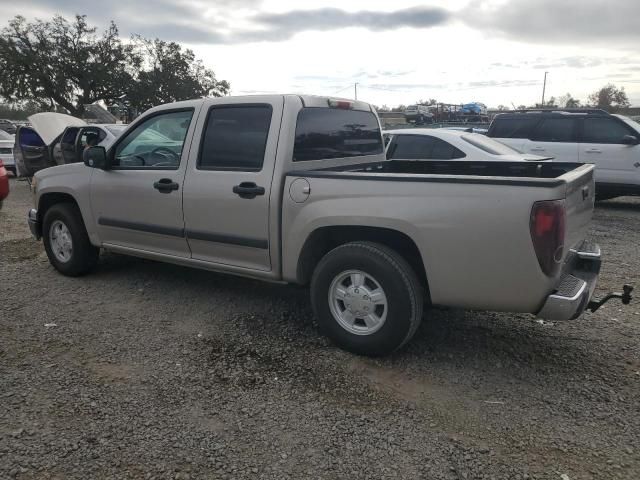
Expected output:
{"points": [[324, 239]]}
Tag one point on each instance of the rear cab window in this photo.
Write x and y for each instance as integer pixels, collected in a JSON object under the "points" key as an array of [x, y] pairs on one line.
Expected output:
{"points": [[326, 133]]}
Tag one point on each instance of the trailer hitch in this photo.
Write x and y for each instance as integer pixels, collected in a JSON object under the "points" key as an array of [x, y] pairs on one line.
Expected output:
{"points": [[625, 296]]}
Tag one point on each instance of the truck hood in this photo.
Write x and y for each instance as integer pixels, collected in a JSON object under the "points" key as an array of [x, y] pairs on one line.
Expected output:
{"points": [[50, 125]]}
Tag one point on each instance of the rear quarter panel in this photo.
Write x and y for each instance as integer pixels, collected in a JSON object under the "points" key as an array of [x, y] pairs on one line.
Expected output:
{"points": [[474, 238]]}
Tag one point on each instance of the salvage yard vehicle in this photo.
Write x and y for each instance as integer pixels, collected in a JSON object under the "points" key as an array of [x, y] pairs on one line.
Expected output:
{"points": [[610, 142], [6, 151], [449, 144], [4, 183], [418, 114], [297, 189], [57, 139]]}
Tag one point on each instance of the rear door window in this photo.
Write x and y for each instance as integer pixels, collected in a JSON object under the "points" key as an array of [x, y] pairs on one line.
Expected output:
{"points": [[235, 138], [556, 130], [604, 130], [323, 133], [513, 127]]}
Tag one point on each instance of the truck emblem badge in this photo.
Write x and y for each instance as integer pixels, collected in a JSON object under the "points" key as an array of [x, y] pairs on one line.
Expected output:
{"points": [[637, 164]]}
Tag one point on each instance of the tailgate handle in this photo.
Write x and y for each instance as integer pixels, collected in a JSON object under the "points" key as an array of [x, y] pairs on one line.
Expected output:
{"points": [[585, 193], [248, 190]]}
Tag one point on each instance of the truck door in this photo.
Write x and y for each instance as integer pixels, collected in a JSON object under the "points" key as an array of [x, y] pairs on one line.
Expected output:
{"points": [[227, 188], [65, 151], [137, 203], [30, 151]]}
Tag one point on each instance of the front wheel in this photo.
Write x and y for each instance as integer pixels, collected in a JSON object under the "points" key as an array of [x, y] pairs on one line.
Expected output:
{"points": [[366, 298], [66, 241]]}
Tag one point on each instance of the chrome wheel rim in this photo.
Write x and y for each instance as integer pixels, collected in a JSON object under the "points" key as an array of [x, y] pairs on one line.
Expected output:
{"points": [[60, 241], [358, 302]]}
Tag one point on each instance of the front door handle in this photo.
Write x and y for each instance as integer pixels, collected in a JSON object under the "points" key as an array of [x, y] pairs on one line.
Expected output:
{"points": [[537, 149], [593, 150], [166, 185], [248, 190]]}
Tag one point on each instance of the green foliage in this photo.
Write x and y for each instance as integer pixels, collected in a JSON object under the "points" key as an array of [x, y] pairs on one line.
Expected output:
{"points": [[61, 63], [610, 98]]}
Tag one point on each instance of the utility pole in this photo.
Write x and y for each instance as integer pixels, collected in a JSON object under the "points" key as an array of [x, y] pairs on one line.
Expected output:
{"points": [[544, 87], [355, 90]]}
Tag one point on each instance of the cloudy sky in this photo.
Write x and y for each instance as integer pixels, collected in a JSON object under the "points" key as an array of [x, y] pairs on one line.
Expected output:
{"points": [[400, 51]]}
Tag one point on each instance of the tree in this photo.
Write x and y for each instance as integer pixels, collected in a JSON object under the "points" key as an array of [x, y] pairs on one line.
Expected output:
{"points": [[62, 63], [610, 98], [567, 101], [169, 74], [502, 108]]}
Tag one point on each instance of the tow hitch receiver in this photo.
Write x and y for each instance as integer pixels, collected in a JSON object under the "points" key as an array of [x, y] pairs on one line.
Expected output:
{"points": [[625, 296]]}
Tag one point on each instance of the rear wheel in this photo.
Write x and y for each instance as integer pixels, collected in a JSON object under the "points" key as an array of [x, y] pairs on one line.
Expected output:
{"points": [[66, 241], [366, 298]]}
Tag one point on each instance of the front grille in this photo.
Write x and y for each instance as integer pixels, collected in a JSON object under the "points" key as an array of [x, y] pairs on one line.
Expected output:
{"points": [[6, 151]]}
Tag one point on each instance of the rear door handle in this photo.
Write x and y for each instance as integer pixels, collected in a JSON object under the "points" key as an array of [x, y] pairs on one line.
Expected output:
{"points": [[593, 150], [537, 149], [166, 185], [248, 190]]}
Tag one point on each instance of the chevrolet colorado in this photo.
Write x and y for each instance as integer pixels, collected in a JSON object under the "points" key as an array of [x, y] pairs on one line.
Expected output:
{"points": [[298, 189]]}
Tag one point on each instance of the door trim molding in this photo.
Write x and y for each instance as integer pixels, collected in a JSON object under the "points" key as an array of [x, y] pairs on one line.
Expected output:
{"points": [[259, 243], [141, 227]]}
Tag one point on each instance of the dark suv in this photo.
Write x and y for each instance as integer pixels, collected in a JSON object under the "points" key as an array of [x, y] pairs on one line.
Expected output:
{"points": [[611, 142]]}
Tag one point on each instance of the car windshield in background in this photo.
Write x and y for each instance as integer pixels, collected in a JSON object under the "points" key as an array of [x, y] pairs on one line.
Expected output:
{"points": [[5, 136], [116, 129], [323, 133], [488, 145]]}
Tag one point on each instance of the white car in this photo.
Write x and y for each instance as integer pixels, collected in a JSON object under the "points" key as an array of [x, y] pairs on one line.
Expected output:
{"points": [[418, 114], [449, 144], [6, 151], [611, 142], [58, 139]]}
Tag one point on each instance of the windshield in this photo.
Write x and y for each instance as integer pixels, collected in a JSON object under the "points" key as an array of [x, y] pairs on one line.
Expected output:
{"points": [[116, 129], [488, 144], [5, 136]]}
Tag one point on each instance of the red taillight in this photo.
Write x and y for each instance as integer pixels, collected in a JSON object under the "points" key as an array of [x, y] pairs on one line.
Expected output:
{"points": [[548, 232]]}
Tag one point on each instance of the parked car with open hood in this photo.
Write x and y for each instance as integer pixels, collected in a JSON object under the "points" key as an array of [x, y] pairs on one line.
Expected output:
{"points": [[56, 139]]}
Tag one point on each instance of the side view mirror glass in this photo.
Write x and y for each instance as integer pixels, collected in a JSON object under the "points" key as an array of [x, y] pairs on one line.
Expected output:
{"points": [[630, 140], [95, 157]]}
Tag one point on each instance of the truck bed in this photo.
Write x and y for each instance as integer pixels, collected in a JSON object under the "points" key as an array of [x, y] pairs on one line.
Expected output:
{"points": [[453, 171]]}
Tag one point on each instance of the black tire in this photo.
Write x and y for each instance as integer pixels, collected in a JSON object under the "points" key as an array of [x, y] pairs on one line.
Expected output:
{"points": [[84, 255], [401, 286]]}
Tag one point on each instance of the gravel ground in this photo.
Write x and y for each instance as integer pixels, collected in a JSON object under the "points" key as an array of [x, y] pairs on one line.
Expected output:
{"points": [[148, 370]]}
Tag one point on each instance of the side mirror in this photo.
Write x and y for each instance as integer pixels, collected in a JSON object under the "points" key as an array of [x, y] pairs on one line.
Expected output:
{"points": [[630, 140], [96, 157]]}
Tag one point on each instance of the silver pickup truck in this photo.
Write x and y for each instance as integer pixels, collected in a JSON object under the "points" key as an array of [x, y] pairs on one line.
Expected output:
{"points": [[297, 189]]}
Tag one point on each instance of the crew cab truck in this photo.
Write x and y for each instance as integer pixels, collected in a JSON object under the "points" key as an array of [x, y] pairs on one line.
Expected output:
{"points": [[297, 189]]}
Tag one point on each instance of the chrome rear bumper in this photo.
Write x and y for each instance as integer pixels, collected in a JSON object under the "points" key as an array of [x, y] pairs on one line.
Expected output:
{"points": [[576, 286]]}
